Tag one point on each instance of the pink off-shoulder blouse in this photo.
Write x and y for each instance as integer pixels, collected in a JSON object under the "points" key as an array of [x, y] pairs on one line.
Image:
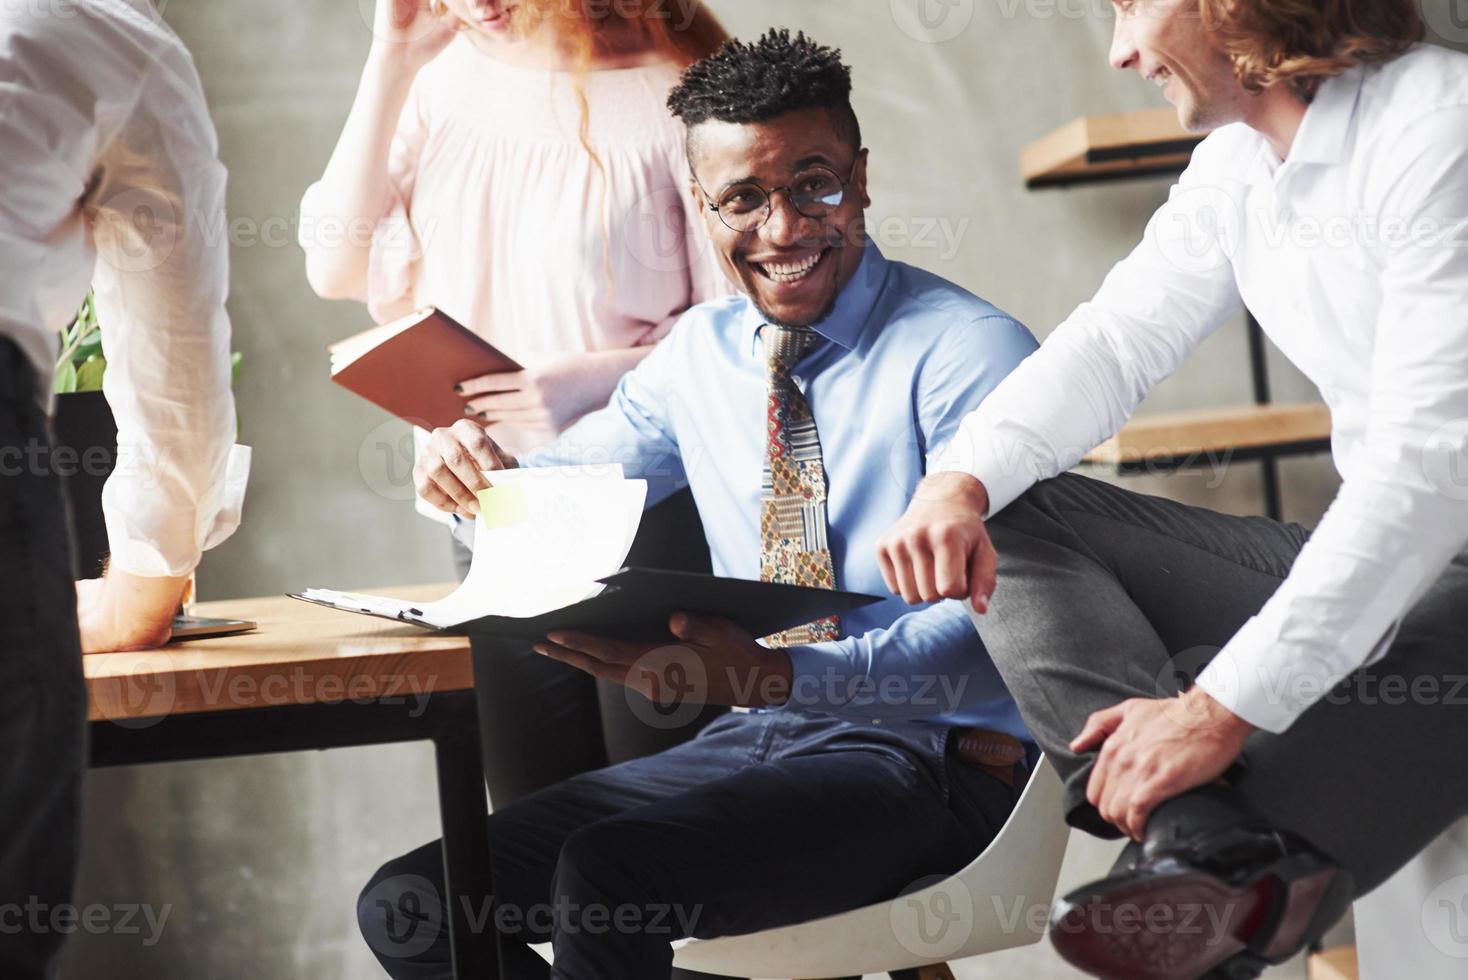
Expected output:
{"points": [[501, 218]]}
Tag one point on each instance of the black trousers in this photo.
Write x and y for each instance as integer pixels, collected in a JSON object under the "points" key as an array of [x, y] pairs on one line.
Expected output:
{"points": [[42, 697], [1105, 594], [764, 819], [543, 721]]}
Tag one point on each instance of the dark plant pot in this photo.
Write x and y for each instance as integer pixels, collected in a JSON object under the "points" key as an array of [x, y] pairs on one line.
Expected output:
{"points": [[86, 452]]}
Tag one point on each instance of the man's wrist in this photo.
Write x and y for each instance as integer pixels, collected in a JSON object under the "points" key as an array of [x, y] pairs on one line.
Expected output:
{"points": [[127, 612], [1205, 707], [955, 486], [141, 597]]}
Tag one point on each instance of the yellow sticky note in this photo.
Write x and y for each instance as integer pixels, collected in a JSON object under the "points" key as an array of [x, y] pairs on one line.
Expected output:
{"points": [[503, 506]]}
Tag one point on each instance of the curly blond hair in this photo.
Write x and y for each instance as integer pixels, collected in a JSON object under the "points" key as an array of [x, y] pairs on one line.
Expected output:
{"points": [[1301, 43]]}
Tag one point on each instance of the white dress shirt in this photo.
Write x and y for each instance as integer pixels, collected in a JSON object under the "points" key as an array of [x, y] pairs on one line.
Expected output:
{"points": [[109, 174], [1353, 254]]}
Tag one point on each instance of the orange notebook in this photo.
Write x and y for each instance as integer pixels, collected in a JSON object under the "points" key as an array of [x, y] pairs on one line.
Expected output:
{"points": [[410, 366]]}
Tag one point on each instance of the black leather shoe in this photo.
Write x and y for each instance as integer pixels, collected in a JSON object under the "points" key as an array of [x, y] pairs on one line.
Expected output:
{"points": [[1214, 891]]}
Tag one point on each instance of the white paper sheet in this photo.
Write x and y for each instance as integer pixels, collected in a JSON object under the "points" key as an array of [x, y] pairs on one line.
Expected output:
{"points": [[542, 539]]}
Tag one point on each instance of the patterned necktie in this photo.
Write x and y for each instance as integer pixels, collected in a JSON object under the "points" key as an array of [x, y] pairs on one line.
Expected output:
{"points": [[793, 546]]}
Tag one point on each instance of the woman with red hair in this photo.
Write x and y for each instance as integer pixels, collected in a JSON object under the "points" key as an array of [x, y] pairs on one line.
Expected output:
{"points": [[513, 163]]}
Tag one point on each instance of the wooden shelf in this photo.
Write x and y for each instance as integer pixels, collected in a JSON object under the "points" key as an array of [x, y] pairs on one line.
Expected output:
{"points": [[1176, 435], [1109, 147], [1334, 964]]}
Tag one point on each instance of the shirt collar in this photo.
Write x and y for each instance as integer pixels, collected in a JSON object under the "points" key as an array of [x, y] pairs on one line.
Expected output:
{"points": [[1323, 131], [1327, 122], [847, 319]]}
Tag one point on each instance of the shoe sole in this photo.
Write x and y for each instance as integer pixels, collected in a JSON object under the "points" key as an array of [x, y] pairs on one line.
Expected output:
{"points": [[1179, 926]]}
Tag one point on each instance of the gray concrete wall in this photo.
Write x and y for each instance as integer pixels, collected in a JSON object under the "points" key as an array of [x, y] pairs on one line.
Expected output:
{"points": [[259, 860]]}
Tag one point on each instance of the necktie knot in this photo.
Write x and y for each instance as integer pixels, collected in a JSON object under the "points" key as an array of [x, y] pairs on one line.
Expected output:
{"points": [[785, 346]]}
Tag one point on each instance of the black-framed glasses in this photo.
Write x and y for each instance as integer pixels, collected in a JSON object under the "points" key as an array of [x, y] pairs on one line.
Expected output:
{"points": [[815, 192]]}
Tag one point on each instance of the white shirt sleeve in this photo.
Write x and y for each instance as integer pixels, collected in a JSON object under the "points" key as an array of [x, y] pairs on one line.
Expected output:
{"points": [[156, 215], [1402, 511], [45, 142], [1155, 307]]}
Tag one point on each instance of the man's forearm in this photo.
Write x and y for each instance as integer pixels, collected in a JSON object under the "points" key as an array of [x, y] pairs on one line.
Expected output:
{"points": [[955, 486], [127, 612]]}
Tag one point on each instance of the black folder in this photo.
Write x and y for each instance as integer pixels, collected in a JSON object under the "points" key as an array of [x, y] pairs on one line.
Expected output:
{"points": [[637, 602]]}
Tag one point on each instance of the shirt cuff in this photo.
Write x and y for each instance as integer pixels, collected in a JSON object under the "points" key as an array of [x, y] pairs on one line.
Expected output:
{"points": [[162, 553], [1003, 484], [1267, 684], [226, 520], [812, 671]]}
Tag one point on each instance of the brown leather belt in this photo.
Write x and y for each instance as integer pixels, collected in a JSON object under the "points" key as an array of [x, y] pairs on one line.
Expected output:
{"points": [[996, 753]]}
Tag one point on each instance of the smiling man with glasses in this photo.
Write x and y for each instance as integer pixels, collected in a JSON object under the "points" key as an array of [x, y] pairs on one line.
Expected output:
{"points": [[882, 748]]}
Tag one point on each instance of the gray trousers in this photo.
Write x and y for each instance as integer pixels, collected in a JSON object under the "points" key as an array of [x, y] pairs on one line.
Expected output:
{"points": [[1104, 594]]}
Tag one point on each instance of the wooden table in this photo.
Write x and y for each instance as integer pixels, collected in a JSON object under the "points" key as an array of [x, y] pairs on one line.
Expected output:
{"points": [[314, 678]]}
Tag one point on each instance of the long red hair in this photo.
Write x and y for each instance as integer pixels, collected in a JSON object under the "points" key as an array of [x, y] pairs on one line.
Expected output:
{"points": [[678, 31]]}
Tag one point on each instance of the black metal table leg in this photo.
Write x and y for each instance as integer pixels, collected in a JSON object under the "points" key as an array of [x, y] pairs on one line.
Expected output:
{"points": [[450, 719], [1272, 506], [1259, 376], [468, 881]]}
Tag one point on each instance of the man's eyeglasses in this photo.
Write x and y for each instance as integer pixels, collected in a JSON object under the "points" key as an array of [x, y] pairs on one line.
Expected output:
{"points": [[815, 193]]}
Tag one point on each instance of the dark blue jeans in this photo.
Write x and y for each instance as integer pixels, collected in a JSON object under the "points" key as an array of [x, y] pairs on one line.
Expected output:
{"points": [[541, 723], [42, 698], [763, 820]]}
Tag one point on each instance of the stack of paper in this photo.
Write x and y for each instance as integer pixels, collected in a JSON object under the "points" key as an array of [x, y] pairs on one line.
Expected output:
{"points": [[543, 538]]}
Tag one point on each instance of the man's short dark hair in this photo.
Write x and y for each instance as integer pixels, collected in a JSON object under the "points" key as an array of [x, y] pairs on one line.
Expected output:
{"points": [[750, 83]]}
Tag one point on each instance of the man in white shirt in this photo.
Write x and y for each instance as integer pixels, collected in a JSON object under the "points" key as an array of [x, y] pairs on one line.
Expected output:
{"points": [[109, 174], [1332, 200]]}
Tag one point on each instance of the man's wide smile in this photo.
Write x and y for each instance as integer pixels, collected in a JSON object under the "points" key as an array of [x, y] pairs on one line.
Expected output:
{"points": [[791, 269]]}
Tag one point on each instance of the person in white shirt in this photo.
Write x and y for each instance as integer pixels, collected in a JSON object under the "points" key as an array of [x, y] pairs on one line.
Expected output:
{"points": [[109, 174], [1320, 747]]}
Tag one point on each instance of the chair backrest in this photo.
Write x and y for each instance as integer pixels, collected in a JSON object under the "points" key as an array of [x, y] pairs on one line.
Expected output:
{"points": [[1002, 899]]}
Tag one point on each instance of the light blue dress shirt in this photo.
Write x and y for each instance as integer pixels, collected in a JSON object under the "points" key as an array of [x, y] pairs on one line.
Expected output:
{"points": [[904, 357]]}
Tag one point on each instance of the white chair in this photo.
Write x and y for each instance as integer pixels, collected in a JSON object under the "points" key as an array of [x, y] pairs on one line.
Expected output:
{"points": [[1002, 899]]}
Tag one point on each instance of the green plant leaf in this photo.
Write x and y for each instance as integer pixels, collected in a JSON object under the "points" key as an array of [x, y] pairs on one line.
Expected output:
{"points": [[65, 378], [89, 375], [235, 360], [88, 350], [80, 338]]}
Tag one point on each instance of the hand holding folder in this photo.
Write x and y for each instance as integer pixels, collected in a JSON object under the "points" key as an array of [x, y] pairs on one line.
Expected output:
{"points": [[713, 660], [548, 544], [410, 366]]}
